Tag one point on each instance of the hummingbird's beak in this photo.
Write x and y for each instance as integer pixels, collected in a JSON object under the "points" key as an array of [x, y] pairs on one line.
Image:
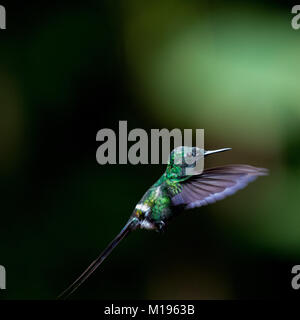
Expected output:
{"points": [[208, 152]]}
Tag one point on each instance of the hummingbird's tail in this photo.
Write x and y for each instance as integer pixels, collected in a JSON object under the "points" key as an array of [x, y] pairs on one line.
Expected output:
{"points": [[130, 225]]}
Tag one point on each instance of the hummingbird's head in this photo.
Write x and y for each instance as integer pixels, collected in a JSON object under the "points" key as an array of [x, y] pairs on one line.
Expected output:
{"points": [[185, 158]]}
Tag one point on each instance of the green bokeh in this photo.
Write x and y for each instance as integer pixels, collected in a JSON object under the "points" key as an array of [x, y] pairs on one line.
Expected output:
{"points": [[69, 70]]}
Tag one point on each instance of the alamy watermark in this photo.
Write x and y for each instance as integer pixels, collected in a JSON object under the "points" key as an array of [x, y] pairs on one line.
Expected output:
{"points": [[2, 17], [138, 153], [2, 278], [296, 19], [296, 279]]}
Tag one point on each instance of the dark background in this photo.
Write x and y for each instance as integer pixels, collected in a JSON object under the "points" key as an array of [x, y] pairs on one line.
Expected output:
{"points": [[70, 69]]}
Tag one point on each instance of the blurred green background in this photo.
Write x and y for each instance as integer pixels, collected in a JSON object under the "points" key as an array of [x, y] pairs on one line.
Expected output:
{"points": [[68, 70]]}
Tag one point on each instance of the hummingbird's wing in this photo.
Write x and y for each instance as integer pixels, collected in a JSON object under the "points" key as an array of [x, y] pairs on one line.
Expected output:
{"points": [[215, 184]]}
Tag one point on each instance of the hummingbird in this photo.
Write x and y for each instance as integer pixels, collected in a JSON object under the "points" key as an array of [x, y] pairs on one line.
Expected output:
{"points": [[176, 191]]}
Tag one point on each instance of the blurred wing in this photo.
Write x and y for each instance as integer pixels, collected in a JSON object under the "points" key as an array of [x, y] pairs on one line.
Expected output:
{"points": [[215, 184]]}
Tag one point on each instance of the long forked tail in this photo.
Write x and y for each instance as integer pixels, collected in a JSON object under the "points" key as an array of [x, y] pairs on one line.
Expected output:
{"points": [[130, 225]]}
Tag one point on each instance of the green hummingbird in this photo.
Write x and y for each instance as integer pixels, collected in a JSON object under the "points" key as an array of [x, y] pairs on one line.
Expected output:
{"points": [[175, 191]]}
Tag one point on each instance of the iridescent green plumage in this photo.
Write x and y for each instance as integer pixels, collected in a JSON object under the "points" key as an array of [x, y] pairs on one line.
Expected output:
{"points": [[155, 205]]}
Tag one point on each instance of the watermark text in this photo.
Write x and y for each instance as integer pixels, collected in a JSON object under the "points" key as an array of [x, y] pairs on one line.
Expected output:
{"points": [[159, 147], [2, 18], [2, 278], [296, 19]]}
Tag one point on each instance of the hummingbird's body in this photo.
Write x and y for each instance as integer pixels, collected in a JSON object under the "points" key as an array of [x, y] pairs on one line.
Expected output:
{"points": [[177, 191], [155, 206]]}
